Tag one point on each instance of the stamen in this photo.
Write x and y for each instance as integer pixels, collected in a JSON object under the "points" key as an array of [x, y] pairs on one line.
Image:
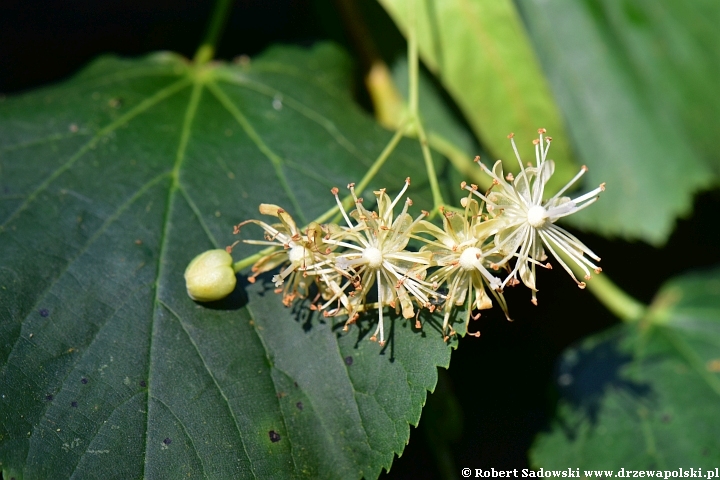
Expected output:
{"points": [[340, 206]]}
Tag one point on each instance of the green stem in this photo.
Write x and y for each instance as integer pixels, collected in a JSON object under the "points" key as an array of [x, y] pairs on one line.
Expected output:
{"points": [[206, 51], [430, 167], [615, 299], [347, 201], [413, 92], [460, 160], [379, 162], [248, 261], [413, 62]]}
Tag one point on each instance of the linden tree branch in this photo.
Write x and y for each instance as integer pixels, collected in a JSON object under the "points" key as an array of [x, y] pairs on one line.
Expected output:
{"points": [[206, 50]]}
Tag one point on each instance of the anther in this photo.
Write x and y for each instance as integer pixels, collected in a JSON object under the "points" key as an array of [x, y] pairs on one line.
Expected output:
{"points": [[602, 186], [541, 130], [334, 190], [536, 141], [511, 135], [476, 160]]}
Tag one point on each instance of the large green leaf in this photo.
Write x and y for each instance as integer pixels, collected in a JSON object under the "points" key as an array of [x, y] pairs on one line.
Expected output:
{"points": [[636, 83], [647, 395], [111, 183], [481, 55]]}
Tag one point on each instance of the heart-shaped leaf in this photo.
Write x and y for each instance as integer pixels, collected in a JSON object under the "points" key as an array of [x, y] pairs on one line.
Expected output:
{"points": [[111, 183], [643, 396]]}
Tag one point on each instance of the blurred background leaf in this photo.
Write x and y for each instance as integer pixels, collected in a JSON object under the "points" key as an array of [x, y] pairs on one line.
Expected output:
{"points": [[636, 83], [481, 55], [643, 395]]}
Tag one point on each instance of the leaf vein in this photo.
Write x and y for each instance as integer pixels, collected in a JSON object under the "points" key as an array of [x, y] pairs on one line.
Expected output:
{"points": [[180, 155], [187, 434], [110, 220], [215, 382], [138, 109], [275, 160], [305, 111]]}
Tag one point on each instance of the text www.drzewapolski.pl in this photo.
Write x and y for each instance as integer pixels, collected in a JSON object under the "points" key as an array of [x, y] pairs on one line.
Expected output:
{"points": [[707, 474]]}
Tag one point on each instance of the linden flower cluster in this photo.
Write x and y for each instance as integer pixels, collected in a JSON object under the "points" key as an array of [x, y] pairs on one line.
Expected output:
{"points": [[497, 239]]}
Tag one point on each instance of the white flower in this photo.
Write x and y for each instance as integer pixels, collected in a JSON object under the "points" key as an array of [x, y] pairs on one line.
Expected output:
{"points": [[376, 255], [301, 253], [461, 249], [529, 221]]}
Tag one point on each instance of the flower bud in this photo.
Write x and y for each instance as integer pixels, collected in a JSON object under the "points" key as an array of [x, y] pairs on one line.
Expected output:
{"points": [[210, 276]]}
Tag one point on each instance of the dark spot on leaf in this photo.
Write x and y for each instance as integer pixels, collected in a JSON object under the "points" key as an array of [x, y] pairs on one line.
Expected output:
{"points": [[348, 360], [705, 452], [143, 384], [73, 404], [299, 405], [83, 380], [295, 384], [49, 398], [666, 418], [281, 394], [115, 102], [274, 436], [167, 441], [44, 312]]}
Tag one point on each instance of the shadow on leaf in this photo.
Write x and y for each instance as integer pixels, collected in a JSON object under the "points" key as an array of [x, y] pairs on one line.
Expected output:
{"points": [[235, 301]]}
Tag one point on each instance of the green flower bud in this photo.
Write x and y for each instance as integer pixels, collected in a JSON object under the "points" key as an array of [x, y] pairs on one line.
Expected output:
{"points": [[210, 276]]}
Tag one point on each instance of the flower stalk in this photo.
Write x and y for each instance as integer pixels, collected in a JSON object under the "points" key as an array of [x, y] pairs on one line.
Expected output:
{"points": [[495, 241]]}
